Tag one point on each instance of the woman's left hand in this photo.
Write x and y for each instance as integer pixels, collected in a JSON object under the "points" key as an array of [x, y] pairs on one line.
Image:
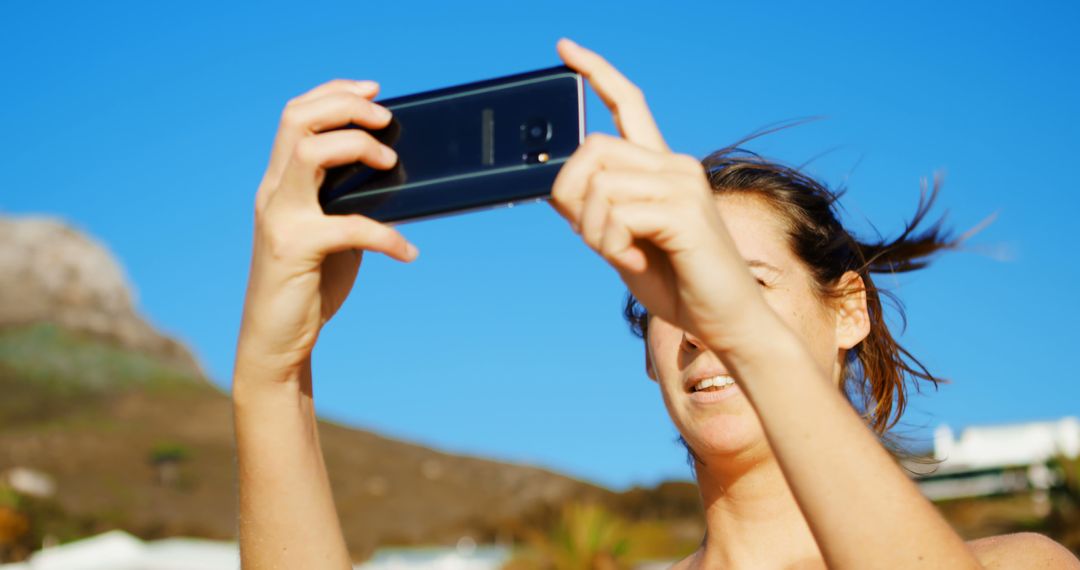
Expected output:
{"points": [[652, 215]]}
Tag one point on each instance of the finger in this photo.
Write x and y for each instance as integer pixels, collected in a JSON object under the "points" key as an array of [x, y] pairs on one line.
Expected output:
{"points": [[624, 99], [631, 259], [364, 88], [335, 110], [327, 106], [340, 233], [284, 139], [598, 152], [313, 154], [610, 187], [628, 223], [593, 216]]}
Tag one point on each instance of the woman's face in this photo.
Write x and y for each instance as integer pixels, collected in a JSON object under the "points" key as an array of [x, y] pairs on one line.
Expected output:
{"points": [[721, 423]]}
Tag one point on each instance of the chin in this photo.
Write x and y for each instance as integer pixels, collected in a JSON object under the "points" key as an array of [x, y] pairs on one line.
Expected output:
{"points": [[724, 435]]}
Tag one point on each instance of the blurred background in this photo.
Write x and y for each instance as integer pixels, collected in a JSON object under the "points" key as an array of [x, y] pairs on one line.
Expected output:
{"points": [[488, 400]]}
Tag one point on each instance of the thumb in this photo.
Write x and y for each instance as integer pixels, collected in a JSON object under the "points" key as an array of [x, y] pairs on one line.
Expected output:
{"points": [[353, 231]]}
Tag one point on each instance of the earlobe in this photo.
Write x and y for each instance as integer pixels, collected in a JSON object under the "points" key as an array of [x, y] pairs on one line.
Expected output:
{"points": [[852, 316]]}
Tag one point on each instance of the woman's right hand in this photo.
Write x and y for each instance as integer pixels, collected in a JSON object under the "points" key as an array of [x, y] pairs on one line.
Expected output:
{"points": [[304, 262]]}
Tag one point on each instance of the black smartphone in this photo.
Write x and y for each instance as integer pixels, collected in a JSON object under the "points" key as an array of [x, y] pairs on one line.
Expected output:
{"points": [[479, 145]]}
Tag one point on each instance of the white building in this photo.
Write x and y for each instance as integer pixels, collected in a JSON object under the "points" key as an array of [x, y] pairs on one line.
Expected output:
{"points": [[990, 460], [981, 447], [118, 550]]}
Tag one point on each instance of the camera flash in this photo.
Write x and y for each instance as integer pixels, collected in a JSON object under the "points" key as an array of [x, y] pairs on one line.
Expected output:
{"points": [[543, 157]]}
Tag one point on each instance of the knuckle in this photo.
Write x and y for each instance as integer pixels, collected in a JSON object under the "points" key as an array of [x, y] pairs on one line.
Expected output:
{"points": [[594, 142], [607, 247], [615, 217], [260, 208], [686, 210], [558, 189], [339, 83], [334, 97], [556, 195], [264, 207], [689, 164], [305, 152], [351, 232], [596, 138], [560, 202], [337, 102], [290, 117], [623, 98], [598, 180], [588, 235], [279, 241]]}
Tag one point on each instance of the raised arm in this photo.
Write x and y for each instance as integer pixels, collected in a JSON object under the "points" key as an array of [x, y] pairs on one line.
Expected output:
{"points": [[303, 266], [651, 214]]}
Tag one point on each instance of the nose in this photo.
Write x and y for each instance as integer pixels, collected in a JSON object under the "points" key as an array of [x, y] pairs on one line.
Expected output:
{"points": [[691, 343]]}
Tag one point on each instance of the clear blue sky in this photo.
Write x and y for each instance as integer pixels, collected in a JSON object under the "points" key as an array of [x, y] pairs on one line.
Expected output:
{"points": [[149, 127]]}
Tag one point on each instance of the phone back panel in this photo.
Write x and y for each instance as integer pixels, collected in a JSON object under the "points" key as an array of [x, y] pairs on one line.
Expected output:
{"points": [[467, 147]]}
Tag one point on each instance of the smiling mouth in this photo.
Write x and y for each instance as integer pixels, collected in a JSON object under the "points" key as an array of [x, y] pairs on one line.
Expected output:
{"points": [[713, 384]]}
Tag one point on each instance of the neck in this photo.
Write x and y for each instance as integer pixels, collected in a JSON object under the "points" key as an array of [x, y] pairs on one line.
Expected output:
{"points": [[751, 516]]}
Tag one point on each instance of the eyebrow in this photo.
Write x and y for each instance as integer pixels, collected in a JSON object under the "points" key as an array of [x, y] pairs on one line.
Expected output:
{"points": [[763, 264]]}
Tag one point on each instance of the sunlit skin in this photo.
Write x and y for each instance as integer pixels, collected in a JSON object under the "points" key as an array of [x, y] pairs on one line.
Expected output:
{"points": [[740, 480], [753, 519], [730, 429], [792, 475]]}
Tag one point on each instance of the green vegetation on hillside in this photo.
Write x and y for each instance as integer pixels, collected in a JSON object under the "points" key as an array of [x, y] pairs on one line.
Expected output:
{"points": [[65, 361], [589, 536], [136, 444]]}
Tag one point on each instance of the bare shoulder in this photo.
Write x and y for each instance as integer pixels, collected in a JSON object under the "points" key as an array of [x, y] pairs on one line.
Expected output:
{"points": [[1023, 550]]}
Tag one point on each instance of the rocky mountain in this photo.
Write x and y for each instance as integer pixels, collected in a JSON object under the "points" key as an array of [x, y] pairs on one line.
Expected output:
{"points": [[50, 272], [118, 427]]}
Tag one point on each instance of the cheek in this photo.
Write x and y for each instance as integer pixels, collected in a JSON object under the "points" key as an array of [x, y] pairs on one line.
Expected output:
{"points": [[806, 316], [665, 358]]}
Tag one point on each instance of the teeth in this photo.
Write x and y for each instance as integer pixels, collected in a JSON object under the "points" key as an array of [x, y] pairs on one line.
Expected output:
{"points": [[721, 381]]}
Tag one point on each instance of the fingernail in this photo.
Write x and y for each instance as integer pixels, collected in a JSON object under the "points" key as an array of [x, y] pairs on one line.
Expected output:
{"points": [[366, 85], [570, 41], [412, 251], [382, 113]]}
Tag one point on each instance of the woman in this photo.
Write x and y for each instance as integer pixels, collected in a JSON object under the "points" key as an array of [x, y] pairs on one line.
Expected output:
{"points": [[755, 298]]}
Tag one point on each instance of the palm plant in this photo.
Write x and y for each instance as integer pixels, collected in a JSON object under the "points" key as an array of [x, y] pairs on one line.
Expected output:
{"points": [[585, 537]]}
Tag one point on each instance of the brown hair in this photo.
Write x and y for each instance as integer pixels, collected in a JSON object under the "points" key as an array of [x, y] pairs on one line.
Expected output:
{"points": [[878, 370]]}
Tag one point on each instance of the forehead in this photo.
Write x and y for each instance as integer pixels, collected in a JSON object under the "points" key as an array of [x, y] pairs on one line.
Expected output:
{"points": [[757, 229]]}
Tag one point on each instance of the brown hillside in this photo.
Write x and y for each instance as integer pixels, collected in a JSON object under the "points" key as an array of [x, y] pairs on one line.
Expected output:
{"points": [[121, 419], [100, 445]]}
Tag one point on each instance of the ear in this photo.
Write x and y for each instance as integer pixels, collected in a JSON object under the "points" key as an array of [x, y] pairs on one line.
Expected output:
{"points": [[852, 316]]}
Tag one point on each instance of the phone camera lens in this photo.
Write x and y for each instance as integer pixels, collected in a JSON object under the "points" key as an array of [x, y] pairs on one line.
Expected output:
{"points": [[536, 131]]}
